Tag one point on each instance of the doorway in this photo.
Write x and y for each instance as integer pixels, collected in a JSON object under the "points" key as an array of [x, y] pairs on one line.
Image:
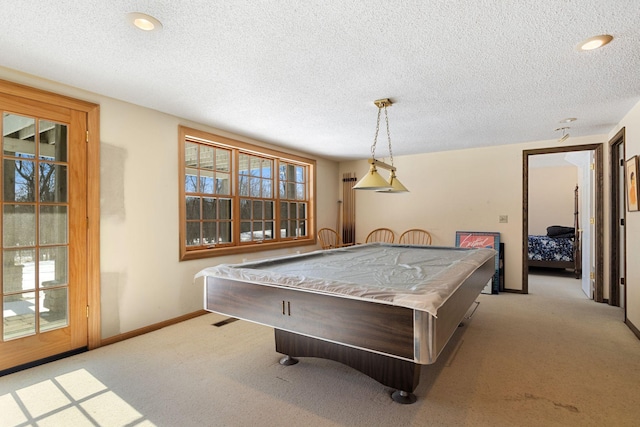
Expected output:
{"points": [[594, 269], [49, 246]]}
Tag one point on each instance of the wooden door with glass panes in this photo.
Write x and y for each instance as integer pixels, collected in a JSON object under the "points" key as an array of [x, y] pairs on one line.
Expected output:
{"points": [[44, 226]]}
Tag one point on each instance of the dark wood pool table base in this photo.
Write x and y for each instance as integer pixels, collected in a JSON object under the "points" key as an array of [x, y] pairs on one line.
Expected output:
{"points": [[399, 374]]}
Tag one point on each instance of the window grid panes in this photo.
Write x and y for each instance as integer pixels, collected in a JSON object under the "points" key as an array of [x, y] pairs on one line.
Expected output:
{"points": [[293, 196], [255, 186], [207, 179], [266, 193], [35, 226]]}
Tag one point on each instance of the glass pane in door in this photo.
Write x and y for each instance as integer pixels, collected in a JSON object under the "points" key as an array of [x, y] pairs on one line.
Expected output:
{"points": [[18, 180], [53, 313], [18, 226], [18, 135], [35, 226], [53, 225], [19, 315], [52, 267], [53, 182], [18, 270], [53, 141]]}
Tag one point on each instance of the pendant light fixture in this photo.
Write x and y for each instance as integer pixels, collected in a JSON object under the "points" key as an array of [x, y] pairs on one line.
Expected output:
{"points": [[373, 180], [565, 133]]}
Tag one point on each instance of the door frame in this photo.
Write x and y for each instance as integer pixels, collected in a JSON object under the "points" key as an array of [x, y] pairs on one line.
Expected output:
{"points": [[93, 193], [614, 231], [599, 215]]}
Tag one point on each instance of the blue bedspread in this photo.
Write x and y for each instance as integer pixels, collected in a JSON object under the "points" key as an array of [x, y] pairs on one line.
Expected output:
{"points": [[543, 248]]}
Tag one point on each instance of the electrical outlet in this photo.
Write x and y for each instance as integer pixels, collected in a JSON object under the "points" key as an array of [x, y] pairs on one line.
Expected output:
{"points": [[503, 218]]}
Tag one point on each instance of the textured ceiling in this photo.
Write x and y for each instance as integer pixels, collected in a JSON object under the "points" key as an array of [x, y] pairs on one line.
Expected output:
{"points": [[304, 74]]}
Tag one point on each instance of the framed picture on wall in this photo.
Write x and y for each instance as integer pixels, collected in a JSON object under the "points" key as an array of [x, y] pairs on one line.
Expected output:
{"points": [[631, 179], [482, 239]]}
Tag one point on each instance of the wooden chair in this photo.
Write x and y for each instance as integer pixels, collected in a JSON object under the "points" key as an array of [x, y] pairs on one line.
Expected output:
{"points": [[415, 236], [384, 235], [330, 239]]}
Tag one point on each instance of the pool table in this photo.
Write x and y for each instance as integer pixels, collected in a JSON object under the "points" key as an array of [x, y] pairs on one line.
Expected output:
{"points": [[382, 309]]}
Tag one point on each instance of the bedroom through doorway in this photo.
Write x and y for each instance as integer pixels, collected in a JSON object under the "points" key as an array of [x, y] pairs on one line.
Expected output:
{"points": [[562, 219]]}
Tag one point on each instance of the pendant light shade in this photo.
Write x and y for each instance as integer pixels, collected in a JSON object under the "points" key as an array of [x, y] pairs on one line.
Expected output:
{"points": [[395, 185], [372, 180]]}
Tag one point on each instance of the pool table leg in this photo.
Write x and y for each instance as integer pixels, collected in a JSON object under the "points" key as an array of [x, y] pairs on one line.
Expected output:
{"points": [[403, 397], [400, 374], [288, 360]]}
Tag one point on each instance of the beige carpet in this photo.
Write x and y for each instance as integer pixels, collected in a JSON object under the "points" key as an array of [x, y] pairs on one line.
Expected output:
{"points": [[548, 358]]}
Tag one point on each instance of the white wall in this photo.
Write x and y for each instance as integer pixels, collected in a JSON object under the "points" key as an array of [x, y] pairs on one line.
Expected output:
{"points": [[631, 123], [551, 197], [142, 281], [462, 190]]}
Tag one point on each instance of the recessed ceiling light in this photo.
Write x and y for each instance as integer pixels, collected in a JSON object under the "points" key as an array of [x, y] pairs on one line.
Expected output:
{"points": [[568, 120], [144, 22], [595, 42]]}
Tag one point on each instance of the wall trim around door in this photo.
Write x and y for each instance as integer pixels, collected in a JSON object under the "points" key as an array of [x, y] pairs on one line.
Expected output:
{"points": [[599, 215], [615, 214]]}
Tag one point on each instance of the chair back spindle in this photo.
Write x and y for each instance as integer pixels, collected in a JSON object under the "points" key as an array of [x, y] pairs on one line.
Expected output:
{"points": [[415, 236], [330, 239], [384, 235]]}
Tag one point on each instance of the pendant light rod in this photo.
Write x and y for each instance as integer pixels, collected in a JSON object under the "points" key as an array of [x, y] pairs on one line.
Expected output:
{"points": [[383, 165]]}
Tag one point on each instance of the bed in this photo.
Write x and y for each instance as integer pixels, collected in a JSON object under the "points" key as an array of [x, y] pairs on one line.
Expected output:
{"points": [[559, 248], [382, 309]]}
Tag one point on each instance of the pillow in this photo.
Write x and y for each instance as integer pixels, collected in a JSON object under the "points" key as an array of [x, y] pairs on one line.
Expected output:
{"points": [[560, 231], [564, 236]]}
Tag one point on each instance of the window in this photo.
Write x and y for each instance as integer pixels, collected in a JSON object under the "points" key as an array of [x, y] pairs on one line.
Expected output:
{"points": [[236, 197], [293, 204]]}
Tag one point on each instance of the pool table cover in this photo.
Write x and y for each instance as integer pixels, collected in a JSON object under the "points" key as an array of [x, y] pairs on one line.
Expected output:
{"points": [[417, 277]]}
